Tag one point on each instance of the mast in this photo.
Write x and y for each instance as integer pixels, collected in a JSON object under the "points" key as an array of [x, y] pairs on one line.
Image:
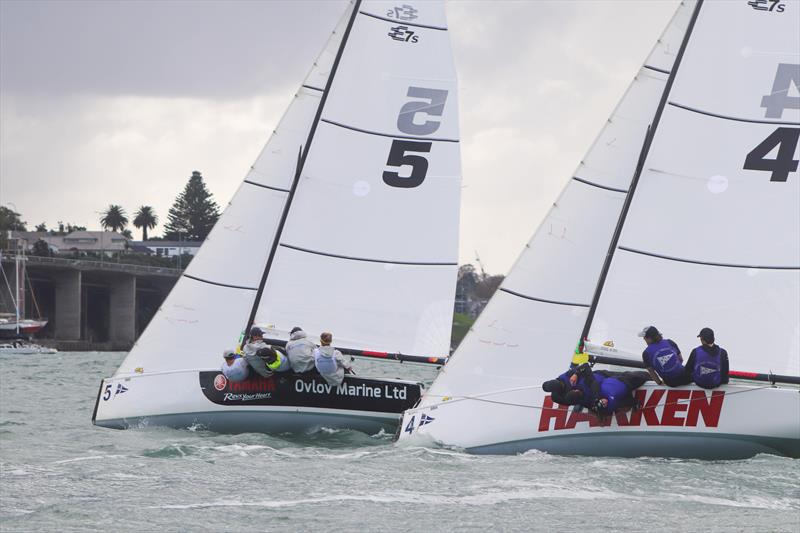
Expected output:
{"points": [[301, 159], [648, 139]]}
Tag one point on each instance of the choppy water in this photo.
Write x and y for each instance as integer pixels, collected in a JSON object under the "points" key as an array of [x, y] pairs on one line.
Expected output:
{"points": [[58, 472]]}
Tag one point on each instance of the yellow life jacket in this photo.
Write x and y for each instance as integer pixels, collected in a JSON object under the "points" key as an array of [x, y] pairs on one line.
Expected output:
{"points": [[279, 357]]}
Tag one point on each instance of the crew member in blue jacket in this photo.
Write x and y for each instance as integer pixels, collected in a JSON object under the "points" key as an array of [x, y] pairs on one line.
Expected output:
{"points": [[663, 359], [570, 388], [566, 388], [708, 363], [614, 391]]}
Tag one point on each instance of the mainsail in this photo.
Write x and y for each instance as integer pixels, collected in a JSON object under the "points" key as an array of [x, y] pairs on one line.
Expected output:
{"points": [[683, 214], [348, 220]]}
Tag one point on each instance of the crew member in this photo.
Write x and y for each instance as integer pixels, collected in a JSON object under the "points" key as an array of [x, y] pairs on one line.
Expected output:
{"points": [[663, 359], [614, 391], [274, 359], [251, 349], [330, 362], [571, 387], [708, 363], [234, 368], [300, 350]]}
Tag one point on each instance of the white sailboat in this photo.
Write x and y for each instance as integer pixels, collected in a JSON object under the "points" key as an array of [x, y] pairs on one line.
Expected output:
{"points": [[685, 213], [13, 326], [347, 222]]}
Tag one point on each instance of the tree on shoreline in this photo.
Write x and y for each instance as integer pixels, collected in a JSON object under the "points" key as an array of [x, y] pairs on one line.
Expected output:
{"points": [[9, 220], [145, 219], [194, 212], [114, 218]]}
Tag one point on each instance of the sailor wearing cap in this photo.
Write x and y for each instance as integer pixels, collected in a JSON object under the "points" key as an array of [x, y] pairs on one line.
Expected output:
{"points": [[234, 368], [300, 350], [251, 350], [663, 359], [708, 363]]}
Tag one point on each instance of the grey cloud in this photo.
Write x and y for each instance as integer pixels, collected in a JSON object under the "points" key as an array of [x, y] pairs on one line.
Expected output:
{"points": [[119, 101], [180, 48]]}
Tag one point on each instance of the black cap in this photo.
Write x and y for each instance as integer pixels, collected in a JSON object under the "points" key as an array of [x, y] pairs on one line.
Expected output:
{"points": [[553, 385], [707, 335], [256, 332], [295, 330], [649, 332]]}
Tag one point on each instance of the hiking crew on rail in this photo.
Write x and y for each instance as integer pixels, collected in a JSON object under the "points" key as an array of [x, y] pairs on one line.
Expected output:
{"points": [[302, 356], [604, 392]]}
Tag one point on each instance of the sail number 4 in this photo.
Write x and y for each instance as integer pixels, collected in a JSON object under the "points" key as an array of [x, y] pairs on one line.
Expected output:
{"points": [[784, 139], [403, 152]]}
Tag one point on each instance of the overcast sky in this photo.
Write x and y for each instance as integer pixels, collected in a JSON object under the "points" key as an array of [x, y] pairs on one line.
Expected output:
{"points": [[119, 101]]}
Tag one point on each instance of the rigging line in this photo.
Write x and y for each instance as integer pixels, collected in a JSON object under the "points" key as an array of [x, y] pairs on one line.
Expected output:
{"points": [[648, 139], [10, 292], [370, 132], [326, 254], [593, 184], [403, 22], [265, 186], [33, 297], [737, 119], [301, 160], [312, 87], [707, 263], [554, 302], [687, 401]]}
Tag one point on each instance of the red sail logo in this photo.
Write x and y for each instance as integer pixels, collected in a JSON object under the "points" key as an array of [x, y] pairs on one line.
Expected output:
{"points": [[680, 408], [220, 382]]}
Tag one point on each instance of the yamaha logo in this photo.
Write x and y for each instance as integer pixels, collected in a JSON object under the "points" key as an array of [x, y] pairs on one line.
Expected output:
{"points": [[220, 382]]}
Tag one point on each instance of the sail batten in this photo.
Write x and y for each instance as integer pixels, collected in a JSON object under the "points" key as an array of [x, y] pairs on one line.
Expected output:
{"points": [[737, 119], [366, 259], [707, 263], [554, 302], [392, 135]]}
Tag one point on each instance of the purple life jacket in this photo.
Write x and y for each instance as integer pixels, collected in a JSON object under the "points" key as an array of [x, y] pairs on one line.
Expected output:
{"points": [[615, 392], [664, 359], [706, 371]]}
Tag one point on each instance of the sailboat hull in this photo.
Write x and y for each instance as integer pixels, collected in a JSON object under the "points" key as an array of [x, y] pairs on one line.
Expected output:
{"points": [[732, 422], [9, 329], [282, 403]]}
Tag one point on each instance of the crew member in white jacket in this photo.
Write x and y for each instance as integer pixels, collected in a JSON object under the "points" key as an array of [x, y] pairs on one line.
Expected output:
{"points": [[251, 352], [330, 362], [300, 350], [234, 368]]}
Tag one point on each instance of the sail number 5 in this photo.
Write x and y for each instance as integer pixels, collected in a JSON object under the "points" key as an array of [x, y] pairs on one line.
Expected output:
{"points": [[429, 102]]}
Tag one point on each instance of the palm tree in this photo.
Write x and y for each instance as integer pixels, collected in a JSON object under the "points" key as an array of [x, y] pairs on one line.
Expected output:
{"points": [[145, 218], [114, 218]]}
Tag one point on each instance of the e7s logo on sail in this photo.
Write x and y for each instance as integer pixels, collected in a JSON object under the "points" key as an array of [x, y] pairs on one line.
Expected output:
{"points": [[403, 34], [767, 5]]}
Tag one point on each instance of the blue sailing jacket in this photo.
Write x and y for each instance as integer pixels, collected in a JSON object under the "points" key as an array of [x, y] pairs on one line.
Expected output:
{"points": [[662, 356]]}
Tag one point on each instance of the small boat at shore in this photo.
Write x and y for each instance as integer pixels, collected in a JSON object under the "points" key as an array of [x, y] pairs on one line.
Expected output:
{"points": [[347, 222], [25, 348], [11, 327]]}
